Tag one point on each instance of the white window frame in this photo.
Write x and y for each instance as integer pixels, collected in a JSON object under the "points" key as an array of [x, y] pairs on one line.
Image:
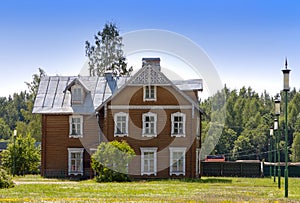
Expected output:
{"points": [[70, 152], [71, 126], [180, 150], [148, 88], [178, 114], [119, 114], [75, 98], [149, 114], [154, 151]]}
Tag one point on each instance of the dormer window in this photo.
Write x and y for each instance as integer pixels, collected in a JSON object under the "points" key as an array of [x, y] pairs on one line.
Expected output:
{"points": [[77, 94], [149, 93]]}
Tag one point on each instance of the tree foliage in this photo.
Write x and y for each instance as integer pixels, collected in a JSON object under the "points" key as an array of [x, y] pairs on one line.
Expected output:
{"points": [[5, 179], [16, 111], [248, 119], [21, 156], [111, 160], [106, 53]]}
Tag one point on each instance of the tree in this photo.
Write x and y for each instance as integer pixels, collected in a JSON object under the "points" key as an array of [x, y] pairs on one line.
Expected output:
{"points": [[21, 156], [111, 160], [295, 156], [107, 53], [5, 131]]}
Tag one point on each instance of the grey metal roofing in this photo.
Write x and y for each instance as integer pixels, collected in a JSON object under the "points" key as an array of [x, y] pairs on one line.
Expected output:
{"points": [[52, 96]]}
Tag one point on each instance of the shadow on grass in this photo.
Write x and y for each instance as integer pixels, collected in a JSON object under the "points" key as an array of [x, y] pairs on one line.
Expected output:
{"points": [[195, 180], [208, 180]]}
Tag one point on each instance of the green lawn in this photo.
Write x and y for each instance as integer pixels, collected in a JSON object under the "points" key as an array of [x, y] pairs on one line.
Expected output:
{"points": [[37, 189]]}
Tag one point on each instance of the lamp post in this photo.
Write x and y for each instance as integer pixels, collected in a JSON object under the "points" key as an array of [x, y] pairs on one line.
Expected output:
{"points": [[276, 129], [14, 153], [270, 150], [286, 88], [271, 135], [278, 150]]}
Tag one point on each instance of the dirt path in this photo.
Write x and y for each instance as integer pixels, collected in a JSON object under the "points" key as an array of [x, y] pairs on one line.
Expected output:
{"points": [[44, 182]]}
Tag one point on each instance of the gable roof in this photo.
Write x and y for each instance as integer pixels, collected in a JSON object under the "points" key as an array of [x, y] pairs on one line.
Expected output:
{"points": [[54, 95], [151, 75]]}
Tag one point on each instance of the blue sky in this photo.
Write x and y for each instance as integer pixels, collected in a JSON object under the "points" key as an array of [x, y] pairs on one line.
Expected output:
{"points": [[247, 40]]}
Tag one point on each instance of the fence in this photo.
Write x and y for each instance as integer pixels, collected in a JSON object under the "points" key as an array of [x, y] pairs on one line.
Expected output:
{"points": [[239, 169]]}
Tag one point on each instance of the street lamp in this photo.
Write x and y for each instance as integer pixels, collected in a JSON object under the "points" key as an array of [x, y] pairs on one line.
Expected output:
{"points": [[286, 88], [278, 150], [271, 135], [270, 150], [14, 152]]}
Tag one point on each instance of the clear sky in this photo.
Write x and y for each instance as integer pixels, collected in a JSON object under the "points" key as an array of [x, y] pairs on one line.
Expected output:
{"points": [[247, 40]]}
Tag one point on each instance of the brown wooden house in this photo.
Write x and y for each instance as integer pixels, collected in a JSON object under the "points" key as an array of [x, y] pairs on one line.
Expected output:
{"points": [[159, 118]]}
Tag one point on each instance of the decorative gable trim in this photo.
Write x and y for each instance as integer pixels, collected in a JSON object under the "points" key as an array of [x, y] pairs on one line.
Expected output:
{"points": [[149, 76]]}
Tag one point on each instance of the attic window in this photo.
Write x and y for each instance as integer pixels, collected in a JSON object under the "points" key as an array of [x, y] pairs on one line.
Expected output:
{"points": [[149, 93], [77, 94]]}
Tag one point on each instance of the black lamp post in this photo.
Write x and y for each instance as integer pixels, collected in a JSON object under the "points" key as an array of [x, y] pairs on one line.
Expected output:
{"points": [[277, 134], [278, 150], [14, 153], [286, 88], [270, 150], [274, 169]]}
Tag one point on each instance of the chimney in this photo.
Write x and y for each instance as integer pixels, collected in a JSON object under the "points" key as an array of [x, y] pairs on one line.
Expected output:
{"points": [[153, 62], [112, 83]]}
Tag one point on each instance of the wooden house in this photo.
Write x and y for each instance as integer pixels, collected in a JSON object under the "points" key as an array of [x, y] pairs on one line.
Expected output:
{"points": [[159, 118]]}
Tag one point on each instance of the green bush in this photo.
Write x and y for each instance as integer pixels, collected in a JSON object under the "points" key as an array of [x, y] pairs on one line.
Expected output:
{"points": [[111, 160], [5, 179]]}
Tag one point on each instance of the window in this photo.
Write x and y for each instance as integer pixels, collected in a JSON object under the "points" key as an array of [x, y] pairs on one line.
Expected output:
{"points": [[121, 124], [75, 161], [149, 124], [149, 93], [178, 124], [77, 94], [148, 161], [76, 126], [177, 160]]}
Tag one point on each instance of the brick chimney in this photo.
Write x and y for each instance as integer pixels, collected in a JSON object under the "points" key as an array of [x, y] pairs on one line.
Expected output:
{"points": [[153, 62]]}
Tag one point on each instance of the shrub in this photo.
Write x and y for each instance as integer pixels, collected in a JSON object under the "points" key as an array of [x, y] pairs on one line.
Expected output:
{"points": [[5, 179], [111, 160]]}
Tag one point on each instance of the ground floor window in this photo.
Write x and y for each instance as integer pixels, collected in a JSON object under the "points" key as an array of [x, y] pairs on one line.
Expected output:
{"points": [[75, 161], [177, 160], [148, 160]]}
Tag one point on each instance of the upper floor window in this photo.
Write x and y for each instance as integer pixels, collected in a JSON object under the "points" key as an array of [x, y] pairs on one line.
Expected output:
{"points": [[75, 161], [178, 124], [121, 124], [149, 124], [76, 126], [149, 93]]}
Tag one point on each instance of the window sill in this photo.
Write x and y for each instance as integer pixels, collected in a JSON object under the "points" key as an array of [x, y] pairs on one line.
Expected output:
{"points": [[177, 135], [75, 173], [145, 100], [148, 174], [121, 135], [75, 136], [177, 174], [149, 135]]}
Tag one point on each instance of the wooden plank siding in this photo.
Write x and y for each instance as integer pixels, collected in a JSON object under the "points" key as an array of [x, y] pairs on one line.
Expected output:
{"points": [[166, 96], [56, 142]]}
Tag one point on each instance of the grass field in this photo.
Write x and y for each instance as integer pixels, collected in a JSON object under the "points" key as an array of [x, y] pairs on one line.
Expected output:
{"points": [[37, 189]]}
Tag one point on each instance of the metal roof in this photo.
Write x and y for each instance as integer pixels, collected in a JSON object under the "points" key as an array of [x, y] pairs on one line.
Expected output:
{"points": [[52, 97]]}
